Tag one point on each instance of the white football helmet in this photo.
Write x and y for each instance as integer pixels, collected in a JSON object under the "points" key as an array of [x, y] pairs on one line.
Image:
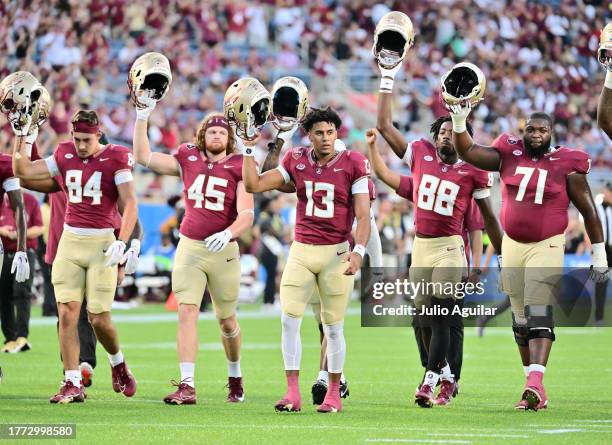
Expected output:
{"points": [[289, 102], [465, 82], [151, 71], [246, 106], [393, 36], [41, 108], [604, 53], [19, 95]]}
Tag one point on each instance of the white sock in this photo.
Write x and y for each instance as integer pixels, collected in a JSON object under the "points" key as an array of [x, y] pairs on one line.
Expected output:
{"points": [[526, 370], [431, 379], [116, 359], [608, 81], [187, 373], [447, 374], [233, 369], [323, 375], [291, 342], [374, 247], [336, 347], [537, 368], [74, 377]]}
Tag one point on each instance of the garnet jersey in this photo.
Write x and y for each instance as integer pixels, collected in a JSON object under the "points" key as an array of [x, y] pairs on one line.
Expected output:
{"points": [[8, 181], [442, 192], [91, 183], [209, 191], [325, 193], [33, 219], [472, 220], [57, 201], [534, 191]]}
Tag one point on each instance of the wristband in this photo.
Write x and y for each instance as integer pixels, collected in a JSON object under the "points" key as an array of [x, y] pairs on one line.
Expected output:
{"points": [[246, 151], [608, 81], [386, 85], [599, 258], [360, 249], [459, 127]]}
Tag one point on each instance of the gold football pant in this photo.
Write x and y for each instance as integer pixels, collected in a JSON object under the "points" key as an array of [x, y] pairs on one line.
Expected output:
{"points": [[195, 267], [321, 267]]}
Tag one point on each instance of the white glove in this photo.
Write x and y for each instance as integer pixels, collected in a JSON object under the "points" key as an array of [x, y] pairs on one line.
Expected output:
{"points": [[217, 241], [459, 114], [388, 77], [287, 135], [115, 253], [24, 128], [131, 257], [142, 114], [599, 269], [21, 267], [246, 150]]}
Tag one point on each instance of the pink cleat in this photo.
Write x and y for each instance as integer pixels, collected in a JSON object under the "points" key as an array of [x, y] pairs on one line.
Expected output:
{"points": [[534, 393], [332, 402], [289, 403], [521, 405], [68, 393], [424, 396], [123, 380], [447, 392]]}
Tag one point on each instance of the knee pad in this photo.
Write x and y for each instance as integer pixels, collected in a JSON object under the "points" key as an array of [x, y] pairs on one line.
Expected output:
{"points": [[521, 335], [540, 316], [542, 333]]}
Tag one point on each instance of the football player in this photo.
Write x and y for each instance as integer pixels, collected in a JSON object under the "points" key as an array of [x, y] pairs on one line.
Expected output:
{"points": [[217, 211], [332, 190], [96, 177], [473, 224], [539, 181], [604, 55], [443, 189], [373, 249]]}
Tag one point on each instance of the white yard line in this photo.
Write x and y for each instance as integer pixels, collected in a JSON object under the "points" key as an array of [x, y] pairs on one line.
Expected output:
{"points": [[415, 441]]}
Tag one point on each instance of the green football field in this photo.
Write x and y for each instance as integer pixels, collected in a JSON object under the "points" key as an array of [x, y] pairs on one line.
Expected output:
{"points": [[382, 369]]}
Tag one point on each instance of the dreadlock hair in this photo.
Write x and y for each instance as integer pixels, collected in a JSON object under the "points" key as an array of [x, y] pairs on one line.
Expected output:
{"points": [[435, 127], [316, 115]]}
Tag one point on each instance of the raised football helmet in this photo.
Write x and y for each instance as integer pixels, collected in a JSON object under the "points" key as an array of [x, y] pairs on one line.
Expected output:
{"points": [[246, 105], [41, 108], [393, 36], [465, 82], [150, 72], [19, 95], [604, 53], [289, 102]]}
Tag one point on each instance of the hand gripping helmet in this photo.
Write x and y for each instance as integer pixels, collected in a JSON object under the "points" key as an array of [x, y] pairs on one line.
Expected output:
{"points": [[464, 82], [604, 53], [19, 94], [393, 36], [246, 105], [151, 71], [289, 102]]}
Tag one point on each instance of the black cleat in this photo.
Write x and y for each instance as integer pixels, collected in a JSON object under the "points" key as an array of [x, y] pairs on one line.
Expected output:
{"points": [[319, 389], [344, 389]]}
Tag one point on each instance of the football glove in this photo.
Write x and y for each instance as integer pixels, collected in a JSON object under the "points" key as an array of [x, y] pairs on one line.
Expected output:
{"points": [[24, 129], [115, 253], [20, 267], [599, 268], [131, 257], [142, 114], [217, 241], [459, 114], [387, 78]]}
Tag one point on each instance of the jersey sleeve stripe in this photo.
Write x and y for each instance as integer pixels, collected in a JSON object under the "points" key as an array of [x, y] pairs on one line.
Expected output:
{"points": [[284, 172], [52, 166], [481, 193], [123, 176], [360, 186], [11, 184]]}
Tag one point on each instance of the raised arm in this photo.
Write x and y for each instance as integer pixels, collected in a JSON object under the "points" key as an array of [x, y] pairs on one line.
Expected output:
{"points": [[272, 159], [384, 120], [483, 157], [580, 194], [381, 170], [161, 163], [48, 185], [604, 107], [253, 181], [23, 167]]}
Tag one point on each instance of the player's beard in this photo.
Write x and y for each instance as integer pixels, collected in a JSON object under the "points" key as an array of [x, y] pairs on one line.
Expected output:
{"points": [[216, 148], [538, 151]]}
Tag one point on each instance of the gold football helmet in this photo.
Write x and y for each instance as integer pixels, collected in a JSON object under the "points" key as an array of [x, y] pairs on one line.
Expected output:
{"points": [[246, 105], [604, 53], [40, 109], [19, 94], [465, 82], [289, 102], [393, 36], [151, 71]]}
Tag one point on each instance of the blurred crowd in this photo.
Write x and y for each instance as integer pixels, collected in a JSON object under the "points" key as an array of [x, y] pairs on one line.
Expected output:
{"points": [[535, 55]]}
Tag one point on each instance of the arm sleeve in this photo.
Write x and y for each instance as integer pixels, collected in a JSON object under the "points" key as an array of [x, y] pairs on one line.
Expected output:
{"points": [[408, 155], [52, 166], [11, 184], [284, 167]]}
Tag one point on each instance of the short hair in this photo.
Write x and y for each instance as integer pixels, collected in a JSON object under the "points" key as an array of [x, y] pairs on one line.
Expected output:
{"points": [[543, 116], [87, 116], [200, 136], [316, 115], [435, 127]]}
